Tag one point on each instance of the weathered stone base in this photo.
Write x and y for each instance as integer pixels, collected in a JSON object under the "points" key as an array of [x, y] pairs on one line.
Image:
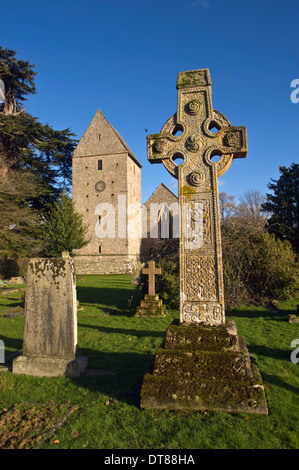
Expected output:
{"points": [[204, 368], [105, 264], [151, 306], [49, 366]]}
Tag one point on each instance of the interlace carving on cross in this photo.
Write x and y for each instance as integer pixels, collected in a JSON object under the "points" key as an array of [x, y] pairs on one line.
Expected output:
{"points": [[201, 277]]}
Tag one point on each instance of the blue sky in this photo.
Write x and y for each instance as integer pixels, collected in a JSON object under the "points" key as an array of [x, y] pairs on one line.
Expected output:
{"points": [[124, 56]]}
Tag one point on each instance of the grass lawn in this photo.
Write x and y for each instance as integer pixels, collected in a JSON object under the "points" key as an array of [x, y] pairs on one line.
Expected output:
{"points": [[105, 409], [289, 306]]}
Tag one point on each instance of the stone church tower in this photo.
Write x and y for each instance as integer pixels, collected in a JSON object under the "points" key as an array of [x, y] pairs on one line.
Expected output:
{"points": [[106, 180]]}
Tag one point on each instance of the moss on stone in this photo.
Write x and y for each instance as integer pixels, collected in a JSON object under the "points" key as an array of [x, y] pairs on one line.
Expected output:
{"points": [[205, 394], [200, 337], [156, 136], [57, 267], [202, 364], [152, 311], [187, 191], [187, 79], [203, 367]]}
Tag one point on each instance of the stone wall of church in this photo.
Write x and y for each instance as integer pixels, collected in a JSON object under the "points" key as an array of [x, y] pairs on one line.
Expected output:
{"points": [[106, 264]]}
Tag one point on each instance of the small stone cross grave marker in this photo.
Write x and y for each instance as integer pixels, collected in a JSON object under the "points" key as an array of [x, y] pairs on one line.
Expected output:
{"points": [[151, 271], [151, 306]]}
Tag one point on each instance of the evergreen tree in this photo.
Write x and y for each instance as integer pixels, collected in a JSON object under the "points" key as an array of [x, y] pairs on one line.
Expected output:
{"points": [[19, 222], [26, 143], [283, 205], [35, 160], [18, 77], [63, 229]]}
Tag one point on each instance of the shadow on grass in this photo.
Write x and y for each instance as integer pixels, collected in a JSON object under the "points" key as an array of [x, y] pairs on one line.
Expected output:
{"points": [[110, 300], [13, 344], [126, 374], [266, 314], [104, 311], [123, 331], [274, 380], [11, 305], [102, 295], [273, 353]]}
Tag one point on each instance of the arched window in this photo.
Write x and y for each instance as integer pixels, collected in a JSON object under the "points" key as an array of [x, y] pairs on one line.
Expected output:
{"points": [[165, 223]]}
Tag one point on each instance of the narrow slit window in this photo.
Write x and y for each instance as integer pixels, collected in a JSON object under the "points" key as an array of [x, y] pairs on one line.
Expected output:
{"points": [[100, 219], [100, 165], [100, 249]]}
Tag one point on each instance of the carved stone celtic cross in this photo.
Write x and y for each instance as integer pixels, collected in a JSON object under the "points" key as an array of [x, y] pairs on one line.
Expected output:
{"points": [[196, 133]]}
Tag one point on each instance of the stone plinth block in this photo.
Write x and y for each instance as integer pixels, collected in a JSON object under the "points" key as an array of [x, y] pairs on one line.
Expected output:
{"points": [[50, 320], [204, 368], [49, 366], [151, 306]]}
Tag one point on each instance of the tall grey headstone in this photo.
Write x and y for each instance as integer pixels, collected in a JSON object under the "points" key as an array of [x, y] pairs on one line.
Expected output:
{"points": [[50, 323]]}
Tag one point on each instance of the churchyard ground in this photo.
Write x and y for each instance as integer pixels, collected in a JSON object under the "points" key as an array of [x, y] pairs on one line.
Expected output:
{"points": [[102, 412]]}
